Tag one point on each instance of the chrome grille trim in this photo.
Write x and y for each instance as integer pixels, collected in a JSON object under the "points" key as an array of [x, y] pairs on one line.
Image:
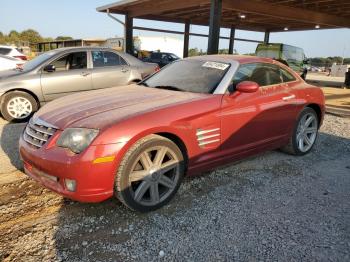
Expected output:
{"points": [[49, 131], [38, 132], [31, 132], [29, 140]]}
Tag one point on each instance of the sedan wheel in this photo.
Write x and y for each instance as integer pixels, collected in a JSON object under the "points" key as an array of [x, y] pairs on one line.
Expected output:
{"points": [[18, 106], [305, 133], [150, 174]]}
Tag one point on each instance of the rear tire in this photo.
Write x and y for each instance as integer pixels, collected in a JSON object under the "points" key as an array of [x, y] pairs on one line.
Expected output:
{"points": [[18, 106], [304, 134], [150, 174]]}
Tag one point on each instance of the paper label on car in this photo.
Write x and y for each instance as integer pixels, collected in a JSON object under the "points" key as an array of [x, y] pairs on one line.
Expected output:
{"points": [[216, 65]]}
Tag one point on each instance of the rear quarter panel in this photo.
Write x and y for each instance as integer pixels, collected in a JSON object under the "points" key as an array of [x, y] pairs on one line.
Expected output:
{"points": [[309, 95]]}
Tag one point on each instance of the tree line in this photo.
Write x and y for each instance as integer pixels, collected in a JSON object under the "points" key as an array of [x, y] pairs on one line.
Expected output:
{"points": [[26, 37], [314, 61]]}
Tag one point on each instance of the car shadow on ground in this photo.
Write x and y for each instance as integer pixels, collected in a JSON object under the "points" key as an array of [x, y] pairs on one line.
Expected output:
{"points": [[9, 137], [109, 231]]}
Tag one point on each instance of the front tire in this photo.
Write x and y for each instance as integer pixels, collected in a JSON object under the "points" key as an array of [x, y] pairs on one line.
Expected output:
{"points": [[304, 134], [149, 174], [18, 106]]}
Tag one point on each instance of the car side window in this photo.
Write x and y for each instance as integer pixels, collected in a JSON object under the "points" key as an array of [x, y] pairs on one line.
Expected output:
{"points": [[106, 59], [4, 51], [71, 61], [286, 76], [122, 61], [273, 74], [111, 59], [243, 73], [262, 74]]}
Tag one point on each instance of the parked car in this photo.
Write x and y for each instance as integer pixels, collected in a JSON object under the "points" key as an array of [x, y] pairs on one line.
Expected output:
{"points": [[65, 71], [8, 63], [12, 52], [315, 69], [160, 58], [138, 142]]}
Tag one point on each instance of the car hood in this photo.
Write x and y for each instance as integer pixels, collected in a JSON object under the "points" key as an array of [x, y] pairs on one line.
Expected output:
{"points": [[101, 108]]}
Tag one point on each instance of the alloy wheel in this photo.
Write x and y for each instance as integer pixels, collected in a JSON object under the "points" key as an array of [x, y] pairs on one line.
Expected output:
{"points": [[154, 175], [306, 132]]}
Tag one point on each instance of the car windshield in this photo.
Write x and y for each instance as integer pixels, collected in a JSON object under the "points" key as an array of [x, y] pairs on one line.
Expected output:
{"points": [[4, 50], [174, 56], [30, 65], [195, 76]]}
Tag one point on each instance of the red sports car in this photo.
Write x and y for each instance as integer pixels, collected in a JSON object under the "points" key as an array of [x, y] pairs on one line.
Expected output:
{"points": [[138, 142]]}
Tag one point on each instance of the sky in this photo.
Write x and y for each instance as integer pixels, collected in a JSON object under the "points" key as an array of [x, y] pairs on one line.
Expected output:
{"points": [[79, 19]]}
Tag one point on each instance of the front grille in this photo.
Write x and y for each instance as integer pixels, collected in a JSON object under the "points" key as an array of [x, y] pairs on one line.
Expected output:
{"points": [[38, 132]]}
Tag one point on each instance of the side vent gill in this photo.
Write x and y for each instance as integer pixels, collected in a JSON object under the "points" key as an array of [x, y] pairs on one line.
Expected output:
{"points": [[208, 136]]}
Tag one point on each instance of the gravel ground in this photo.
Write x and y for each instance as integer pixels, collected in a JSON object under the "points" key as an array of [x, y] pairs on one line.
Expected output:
{"points": [[270, 207]]}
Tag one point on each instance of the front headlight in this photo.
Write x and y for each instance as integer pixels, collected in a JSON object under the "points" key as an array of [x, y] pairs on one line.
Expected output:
{"points": [[76, 139]]}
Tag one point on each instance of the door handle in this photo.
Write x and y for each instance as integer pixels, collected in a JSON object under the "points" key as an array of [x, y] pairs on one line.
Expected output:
{"points": [[85, 74], [286, 98], [124, 70]]}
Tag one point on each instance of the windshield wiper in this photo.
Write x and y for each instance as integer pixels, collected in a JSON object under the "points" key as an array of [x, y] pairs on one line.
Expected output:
{"points": [[174, 88]]}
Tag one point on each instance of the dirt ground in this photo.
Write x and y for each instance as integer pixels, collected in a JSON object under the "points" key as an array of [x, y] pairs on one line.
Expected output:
{"points": [[269, 207], [337, 97]]}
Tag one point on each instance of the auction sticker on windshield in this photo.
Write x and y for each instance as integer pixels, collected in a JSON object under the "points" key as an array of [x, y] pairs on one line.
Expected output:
{"points": [[216, 65]]}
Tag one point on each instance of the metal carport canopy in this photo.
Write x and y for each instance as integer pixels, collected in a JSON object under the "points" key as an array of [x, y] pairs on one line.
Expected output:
{"points": [[255, 15]]}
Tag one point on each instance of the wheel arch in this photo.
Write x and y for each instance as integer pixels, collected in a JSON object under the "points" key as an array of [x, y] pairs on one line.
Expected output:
{"points": [[21, 90], [179, 142], [318, 111]]}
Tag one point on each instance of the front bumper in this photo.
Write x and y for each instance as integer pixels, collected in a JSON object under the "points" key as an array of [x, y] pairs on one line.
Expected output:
{"points": [[50, 166]]}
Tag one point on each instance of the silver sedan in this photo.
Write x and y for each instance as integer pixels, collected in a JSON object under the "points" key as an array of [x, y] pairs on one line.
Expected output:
{"points": [[65, 71]]}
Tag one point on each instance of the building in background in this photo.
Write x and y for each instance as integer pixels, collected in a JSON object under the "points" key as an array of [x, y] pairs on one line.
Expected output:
{"points": [[160, 43], [115, 43], [339, 70]]}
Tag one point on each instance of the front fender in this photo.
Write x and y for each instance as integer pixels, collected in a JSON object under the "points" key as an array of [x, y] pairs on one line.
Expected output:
{"points": [[32, 86], [125, 143]]}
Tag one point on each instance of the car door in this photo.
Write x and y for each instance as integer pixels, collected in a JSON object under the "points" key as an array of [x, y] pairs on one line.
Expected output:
{"points": [[255, 120], [109, 69], [69, 74]]}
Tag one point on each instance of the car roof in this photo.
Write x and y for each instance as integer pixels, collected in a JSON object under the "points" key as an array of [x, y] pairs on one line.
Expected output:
{"points": [[63, 49], [241, 59]]}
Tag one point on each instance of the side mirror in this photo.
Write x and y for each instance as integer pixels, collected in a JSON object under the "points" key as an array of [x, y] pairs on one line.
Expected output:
{"points": [[49, 68], [247, 87]]}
